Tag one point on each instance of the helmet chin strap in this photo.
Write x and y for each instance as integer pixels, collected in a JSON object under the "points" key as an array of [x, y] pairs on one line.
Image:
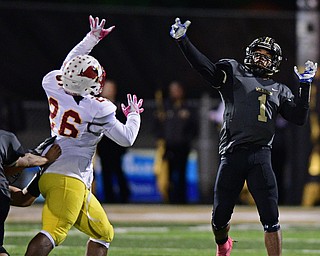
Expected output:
{"points": [[71, 93], [260, 72]]}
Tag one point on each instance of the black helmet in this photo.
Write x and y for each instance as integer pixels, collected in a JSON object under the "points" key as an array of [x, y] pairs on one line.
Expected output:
{"points": [[269, 44]]}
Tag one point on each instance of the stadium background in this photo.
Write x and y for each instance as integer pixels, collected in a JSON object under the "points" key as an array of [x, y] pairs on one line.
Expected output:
{"points": [[141, 57]]}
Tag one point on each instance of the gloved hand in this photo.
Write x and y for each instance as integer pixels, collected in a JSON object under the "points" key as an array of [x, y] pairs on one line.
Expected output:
{"points": [[309, 72], [179, 30], [42, 146], [133, 105], [97, 29]]}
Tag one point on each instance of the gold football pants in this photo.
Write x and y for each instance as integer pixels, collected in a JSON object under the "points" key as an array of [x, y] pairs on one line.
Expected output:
{"points": [[69, 203]]}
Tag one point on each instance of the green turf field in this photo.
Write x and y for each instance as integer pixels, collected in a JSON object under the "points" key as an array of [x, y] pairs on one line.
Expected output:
{"points": [[136, 239]]}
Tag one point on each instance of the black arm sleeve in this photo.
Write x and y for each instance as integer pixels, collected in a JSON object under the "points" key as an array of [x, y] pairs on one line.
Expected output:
{"points": [[297, 111], [201, 63], [33, 186]]}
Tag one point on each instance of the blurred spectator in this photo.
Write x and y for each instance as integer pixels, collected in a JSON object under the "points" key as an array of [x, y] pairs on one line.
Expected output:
{"points": [[176, 127], [115, 184], [216, 115]]}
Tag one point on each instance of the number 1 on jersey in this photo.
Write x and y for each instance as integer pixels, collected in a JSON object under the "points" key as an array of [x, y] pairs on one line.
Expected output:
{"points": [[262, 105]]}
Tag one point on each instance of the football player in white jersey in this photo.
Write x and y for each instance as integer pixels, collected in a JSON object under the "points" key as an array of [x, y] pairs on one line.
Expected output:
{"points": [[79, 119]]}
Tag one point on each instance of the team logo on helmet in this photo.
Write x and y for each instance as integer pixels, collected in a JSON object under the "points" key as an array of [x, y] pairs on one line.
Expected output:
{"points": [[83, 75], [261, 64]]}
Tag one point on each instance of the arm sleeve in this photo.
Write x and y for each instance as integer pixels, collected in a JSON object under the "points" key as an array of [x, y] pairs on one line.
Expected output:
{"points": [[14, 150], [84, 47], [123, 134], [296, 111], [201, 63]]}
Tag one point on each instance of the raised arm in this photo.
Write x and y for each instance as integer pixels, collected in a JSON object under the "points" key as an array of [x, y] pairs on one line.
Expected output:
{"points": [[123, 134], [97, 33], [196, 59], [297, 111]]}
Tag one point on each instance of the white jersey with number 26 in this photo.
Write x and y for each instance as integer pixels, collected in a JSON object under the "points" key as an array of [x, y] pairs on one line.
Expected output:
{"points": [[69, 118]]}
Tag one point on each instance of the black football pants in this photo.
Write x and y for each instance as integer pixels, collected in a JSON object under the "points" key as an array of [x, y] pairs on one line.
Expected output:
{"points": [[254, 166], [4, 210]]}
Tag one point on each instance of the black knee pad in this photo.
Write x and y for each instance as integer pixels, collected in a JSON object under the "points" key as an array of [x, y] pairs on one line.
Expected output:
{"points": [[214, 227], [220, 233], [2, 250], [271, 228]]}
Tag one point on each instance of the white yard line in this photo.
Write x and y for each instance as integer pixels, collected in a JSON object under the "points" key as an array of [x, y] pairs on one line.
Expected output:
{"points": [[178, 214]]}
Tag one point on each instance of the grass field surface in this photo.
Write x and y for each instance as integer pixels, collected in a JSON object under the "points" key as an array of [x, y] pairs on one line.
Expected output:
{"points": [[173, 237]]}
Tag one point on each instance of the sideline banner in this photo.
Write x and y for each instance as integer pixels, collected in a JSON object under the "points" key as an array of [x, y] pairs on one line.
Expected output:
{"points": [[138, 166]]}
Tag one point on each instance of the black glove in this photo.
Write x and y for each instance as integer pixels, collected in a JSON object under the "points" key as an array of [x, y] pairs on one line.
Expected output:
{"points": [[42, 146], [33, 186]]}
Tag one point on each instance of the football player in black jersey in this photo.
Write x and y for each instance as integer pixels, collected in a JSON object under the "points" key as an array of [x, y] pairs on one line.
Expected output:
{"points": [[13, 159], [252, 101]]}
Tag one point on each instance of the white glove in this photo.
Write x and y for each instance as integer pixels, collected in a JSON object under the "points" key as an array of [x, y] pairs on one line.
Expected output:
{"points": [[179, 30], [97, 29], [309, 72], [133, 105]]}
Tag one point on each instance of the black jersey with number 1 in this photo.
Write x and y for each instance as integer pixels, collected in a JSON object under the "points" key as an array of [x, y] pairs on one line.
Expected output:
{"points": [[251, 103]]}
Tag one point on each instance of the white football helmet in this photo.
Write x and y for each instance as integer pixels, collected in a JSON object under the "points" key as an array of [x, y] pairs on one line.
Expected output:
{"points": [[83, 75]]}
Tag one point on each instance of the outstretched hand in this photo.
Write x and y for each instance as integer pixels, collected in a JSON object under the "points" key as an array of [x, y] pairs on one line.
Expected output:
{"points": [[134, 106], [309, 72], [179, 30], [97, 29]]}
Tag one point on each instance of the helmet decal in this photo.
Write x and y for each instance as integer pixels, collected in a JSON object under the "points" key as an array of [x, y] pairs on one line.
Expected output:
{"points": [[90, 72]]}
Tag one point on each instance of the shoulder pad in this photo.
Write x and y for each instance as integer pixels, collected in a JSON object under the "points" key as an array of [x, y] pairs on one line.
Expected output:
{"points": [[103, 106]]}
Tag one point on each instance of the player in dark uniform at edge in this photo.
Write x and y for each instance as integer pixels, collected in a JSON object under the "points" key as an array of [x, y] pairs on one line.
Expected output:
{"points": [[252, 101], [13, 159]]}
